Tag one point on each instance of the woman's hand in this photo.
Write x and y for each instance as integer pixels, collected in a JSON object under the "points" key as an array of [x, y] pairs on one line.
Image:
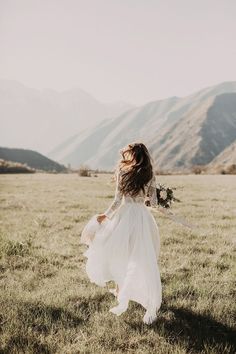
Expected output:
{"points": [[100, 218]]}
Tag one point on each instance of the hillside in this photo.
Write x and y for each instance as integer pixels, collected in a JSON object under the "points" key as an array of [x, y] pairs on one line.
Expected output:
{"points": [[227, 156], [200, 135], [41, 119], [179, 132], [31, 158]]}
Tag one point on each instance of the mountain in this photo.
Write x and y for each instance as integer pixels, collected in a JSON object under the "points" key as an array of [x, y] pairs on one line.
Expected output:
{"points": [[226, 157], [179, 132], [41, 119], [200, 135], [31, 158]]}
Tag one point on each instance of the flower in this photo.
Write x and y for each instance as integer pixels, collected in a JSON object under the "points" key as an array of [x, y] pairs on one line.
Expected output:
{"points": [[163, 194]]}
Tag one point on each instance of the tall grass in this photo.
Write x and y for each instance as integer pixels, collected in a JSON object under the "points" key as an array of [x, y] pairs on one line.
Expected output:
{"points": [[47, 304]]}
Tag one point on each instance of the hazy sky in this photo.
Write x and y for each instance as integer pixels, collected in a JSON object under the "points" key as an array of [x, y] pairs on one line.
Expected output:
{"points": [[132, 50]]}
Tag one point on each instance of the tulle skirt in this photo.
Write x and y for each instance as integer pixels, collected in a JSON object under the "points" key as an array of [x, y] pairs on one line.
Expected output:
{"points": [[126, 249]]}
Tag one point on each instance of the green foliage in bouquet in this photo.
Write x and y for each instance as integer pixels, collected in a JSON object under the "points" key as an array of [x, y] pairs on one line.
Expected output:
{"points": [[165, 196]]}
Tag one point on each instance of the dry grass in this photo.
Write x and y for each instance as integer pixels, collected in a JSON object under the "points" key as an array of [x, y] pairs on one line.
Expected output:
{"points": [[49, 306]]}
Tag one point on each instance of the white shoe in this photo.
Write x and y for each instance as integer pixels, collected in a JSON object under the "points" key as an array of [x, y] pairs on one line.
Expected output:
{"points": [[149, 318], [118, 310]]}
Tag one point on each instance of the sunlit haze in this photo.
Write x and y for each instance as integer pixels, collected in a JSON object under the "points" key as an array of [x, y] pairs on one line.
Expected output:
{"points": [[134, 51]]}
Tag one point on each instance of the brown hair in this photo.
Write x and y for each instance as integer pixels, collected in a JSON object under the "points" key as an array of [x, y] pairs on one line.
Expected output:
{"points": [[137, 171]]}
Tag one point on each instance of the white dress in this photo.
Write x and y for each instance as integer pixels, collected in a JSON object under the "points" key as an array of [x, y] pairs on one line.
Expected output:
{"points": [[126, 249]]}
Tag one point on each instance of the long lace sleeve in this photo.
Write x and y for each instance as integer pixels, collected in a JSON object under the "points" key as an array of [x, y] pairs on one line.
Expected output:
{"points": [[117, 199], [151, 193]]}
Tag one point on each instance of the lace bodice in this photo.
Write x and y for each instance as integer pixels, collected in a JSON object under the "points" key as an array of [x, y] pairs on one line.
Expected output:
{"points": [[148, 194]]}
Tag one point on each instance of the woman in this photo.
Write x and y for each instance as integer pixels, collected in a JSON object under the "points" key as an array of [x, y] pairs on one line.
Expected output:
{"points": [[126, 249]]}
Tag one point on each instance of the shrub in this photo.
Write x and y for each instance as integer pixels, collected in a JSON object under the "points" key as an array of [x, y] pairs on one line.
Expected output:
{"points": [[229, 170], [84, 171], [198, 169], [161, 172], [14, 167]]}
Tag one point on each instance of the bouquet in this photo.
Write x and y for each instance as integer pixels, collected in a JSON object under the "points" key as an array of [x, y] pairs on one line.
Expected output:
{"points": [[165, 196]]}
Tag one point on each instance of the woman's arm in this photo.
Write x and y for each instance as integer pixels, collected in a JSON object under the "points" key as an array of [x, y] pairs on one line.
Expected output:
{"points": [[152, 193], [115, 203], [117, 199]]}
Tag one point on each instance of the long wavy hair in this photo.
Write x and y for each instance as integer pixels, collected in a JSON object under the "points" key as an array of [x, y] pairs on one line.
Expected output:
{"points": [[136, 167]]}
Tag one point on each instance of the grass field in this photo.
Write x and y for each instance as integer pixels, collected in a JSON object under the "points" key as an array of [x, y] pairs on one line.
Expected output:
{"points": [[47, 303]]}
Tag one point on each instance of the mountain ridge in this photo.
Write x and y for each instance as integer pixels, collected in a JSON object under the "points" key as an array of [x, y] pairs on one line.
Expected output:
{"points": [[41, 119], [174, 129], [32, 158]]}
